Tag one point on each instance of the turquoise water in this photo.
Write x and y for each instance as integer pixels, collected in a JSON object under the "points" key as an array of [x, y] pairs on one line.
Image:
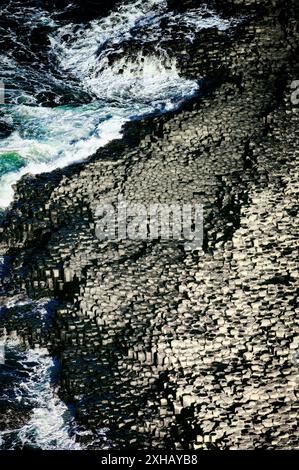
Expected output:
{"points": [[10, 162], [46, 138], [131, 86]]}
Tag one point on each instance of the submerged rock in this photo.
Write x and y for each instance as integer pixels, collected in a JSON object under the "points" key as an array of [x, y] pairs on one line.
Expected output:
{"points": [[12, 418]]}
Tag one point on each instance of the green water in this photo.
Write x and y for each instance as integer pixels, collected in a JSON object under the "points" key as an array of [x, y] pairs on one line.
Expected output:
{"points": [[10, 161]]}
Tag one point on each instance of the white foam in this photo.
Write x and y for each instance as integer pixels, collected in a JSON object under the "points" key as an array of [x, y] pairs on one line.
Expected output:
{"points": [[132, 86], [143, 84], [65, 135], [85, 54], [22, 299], [49, 425], [66, 142], [79, 55]]}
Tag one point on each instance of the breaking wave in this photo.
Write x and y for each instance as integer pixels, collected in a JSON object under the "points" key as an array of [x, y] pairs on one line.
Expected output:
{"points": [[121, 85]]}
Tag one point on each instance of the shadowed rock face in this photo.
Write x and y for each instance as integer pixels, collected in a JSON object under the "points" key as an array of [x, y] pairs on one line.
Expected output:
{"points": [[165, 347], [13, 418]]}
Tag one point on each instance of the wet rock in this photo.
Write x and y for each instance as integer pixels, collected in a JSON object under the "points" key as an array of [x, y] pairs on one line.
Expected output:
{"points": [[13, 417], [168, 347], [6, 129]]}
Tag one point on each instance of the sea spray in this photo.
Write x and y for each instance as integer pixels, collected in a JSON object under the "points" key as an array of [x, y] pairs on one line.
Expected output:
{"points": [[51, 425], [133, 85]]}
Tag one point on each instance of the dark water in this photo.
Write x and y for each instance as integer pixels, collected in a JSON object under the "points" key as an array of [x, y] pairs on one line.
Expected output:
{"points": [[32, 415], [70, 87]]}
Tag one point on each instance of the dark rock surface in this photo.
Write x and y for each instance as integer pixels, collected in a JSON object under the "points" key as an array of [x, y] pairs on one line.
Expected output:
{"points": [[13, 418], [165, 347]]}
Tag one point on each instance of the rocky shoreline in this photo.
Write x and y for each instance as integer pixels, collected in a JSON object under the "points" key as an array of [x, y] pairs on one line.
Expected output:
{"points": [[168, 348]]}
